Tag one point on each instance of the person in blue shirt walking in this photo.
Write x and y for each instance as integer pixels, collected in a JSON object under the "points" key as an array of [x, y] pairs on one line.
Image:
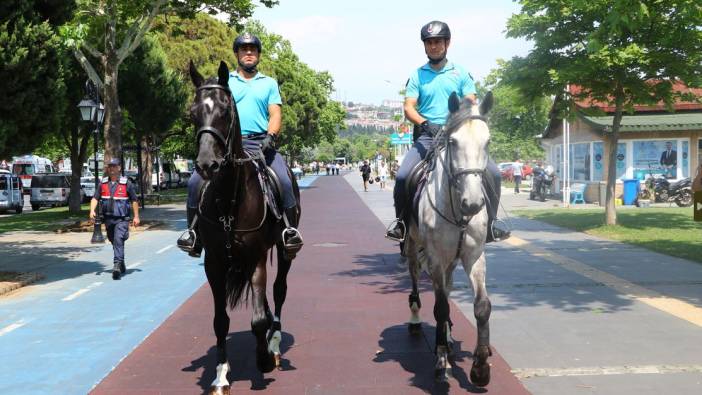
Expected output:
{"points": [[258, 103], [426, 105]]}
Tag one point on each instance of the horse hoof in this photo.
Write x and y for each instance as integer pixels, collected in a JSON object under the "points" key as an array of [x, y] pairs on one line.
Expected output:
{"points": [[442, 375], [480, 375], [265, 362], [276, 358], [219, 390], [414, 329]]}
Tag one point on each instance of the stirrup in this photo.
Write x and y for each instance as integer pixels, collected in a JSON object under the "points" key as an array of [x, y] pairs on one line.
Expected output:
{"points": [[291, 232], [187, 248], [392, 227], [507, 232]]}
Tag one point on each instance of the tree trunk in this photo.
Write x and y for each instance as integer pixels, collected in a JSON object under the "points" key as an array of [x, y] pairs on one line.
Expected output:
{"points": [[613, 141], [146, 163], [113, 113], [78, 150]]}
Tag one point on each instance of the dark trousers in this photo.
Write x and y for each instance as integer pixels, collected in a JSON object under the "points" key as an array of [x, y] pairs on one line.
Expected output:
{"points": [[117, 234], [517, 181], [273, 160], [425, 143]]}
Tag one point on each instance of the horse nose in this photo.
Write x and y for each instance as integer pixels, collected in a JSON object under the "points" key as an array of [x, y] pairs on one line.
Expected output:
{"points": [[469, 209], [206, 168]]}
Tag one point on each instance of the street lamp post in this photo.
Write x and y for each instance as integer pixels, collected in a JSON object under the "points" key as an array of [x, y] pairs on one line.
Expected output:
{"points": [[93, 111]]}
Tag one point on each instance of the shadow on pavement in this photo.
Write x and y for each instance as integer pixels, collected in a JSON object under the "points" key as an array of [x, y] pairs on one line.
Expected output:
{"points": [[415, 353], [241, 352]]}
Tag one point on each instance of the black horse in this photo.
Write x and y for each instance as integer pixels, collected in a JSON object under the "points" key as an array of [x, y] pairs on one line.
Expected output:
{"points": [[236, 225]]}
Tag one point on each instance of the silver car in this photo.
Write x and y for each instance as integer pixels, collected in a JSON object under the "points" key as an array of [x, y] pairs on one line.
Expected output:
{"points": [[11, 197], [50, 190]]}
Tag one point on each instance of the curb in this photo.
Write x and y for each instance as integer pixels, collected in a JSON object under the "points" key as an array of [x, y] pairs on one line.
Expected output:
{"points": [[21, 280]]}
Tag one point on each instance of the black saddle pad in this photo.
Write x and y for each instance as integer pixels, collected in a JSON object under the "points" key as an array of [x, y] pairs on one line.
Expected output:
{"points": [[415, 185], [270, 185]]}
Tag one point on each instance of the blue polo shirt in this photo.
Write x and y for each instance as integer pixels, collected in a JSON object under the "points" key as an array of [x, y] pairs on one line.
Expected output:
{"points": [[252, 98], [433, 88]]}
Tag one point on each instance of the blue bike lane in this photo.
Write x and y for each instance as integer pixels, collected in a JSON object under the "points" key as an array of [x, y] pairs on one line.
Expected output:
{"points": [[64, 336]]}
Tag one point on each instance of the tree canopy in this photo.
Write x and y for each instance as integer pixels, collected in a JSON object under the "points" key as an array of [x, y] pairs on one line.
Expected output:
{"points": [[618, 52], [31, 71]]}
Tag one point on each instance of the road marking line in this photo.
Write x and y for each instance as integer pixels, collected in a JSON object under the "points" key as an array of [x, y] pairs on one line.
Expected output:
{"points": [[135, 264], [164, 249], [12, 327], [81, 291], [675, 307], [605, 370]]}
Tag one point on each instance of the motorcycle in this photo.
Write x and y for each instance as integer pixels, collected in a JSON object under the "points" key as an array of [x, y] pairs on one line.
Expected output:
{"points": [[659, 190], [541, 184]]}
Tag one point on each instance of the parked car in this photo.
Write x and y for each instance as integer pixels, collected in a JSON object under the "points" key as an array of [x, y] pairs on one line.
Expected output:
{"points": [[50, 190], [167, 176], [507, 171], [11, 197], [87, 184]]}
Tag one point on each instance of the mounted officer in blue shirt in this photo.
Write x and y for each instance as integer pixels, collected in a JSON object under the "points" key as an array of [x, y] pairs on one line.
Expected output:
{"points": [[426, 105], [258, 103], [117, 196]]}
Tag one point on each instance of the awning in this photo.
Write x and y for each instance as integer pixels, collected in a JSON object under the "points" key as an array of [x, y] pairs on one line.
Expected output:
{"points": [[648, 122]]}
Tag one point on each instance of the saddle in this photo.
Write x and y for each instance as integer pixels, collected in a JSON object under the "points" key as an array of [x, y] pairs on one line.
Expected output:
{"points": [[270, 184], [414, 186]]}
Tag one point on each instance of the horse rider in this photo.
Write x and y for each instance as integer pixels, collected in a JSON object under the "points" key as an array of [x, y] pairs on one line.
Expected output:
{"points": [[258, 103], [426, 105], [117, 194]]}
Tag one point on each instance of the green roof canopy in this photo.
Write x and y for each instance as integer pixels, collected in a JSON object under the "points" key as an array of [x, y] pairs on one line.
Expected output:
{"points": [[648, 123]]}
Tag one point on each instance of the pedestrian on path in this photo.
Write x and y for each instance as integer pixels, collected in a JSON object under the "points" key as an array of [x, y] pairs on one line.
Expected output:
{"points": [[383, 174], [116, 195], [517, 173], [365, 174]]}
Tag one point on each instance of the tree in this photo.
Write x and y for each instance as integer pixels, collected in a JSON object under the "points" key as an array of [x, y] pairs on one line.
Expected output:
{"points": [[618, 52], [514, 120], [154, 96], [110, 30], [32, 87]]}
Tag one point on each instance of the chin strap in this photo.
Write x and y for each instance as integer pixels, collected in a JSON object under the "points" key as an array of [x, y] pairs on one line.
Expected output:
{"points": [[251, 69]]}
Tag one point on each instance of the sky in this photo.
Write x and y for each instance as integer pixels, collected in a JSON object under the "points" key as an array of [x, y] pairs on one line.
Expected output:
{"points": [[371, 47]]}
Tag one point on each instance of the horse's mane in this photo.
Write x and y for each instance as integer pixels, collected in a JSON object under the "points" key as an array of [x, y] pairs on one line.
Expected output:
{"points": [[458, 118]]}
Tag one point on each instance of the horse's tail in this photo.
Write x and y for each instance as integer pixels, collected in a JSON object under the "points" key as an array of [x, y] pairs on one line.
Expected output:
{"points": [[239, 283]]}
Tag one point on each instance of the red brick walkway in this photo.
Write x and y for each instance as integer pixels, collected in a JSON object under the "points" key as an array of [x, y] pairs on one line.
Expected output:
{"points": [[344, 323]]}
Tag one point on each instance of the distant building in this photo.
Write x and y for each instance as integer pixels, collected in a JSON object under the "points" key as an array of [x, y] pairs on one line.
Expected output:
{"points": [[644, 139]]}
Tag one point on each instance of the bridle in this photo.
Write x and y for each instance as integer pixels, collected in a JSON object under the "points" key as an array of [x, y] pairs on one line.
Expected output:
{"points": [[226, 142], [454, 175]]}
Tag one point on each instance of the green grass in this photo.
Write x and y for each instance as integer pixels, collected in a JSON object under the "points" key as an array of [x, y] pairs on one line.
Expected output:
{"points": [[43, 220], [670, 231], [177, 195]]}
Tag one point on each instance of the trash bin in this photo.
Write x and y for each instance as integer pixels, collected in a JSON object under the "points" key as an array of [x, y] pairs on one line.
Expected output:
{"points": [[631, 191]]}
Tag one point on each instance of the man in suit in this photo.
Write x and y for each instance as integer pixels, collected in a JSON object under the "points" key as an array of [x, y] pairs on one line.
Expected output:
{"points": [[669, 160]]}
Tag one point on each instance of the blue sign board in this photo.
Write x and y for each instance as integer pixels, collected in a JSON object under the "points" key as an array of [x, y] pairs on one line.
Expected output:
{"points": [[398, 139]]}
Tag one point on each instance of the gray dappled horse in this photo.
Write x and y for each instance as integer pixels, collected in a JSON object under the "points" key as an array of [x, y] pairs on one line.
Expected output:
{"points": [[451, 227], [235, 224]]}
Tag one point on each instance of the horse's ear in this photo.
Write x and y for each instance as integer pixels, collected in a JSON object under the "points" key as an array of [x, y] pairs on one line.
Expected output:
{"points": [[195, 76], [486, 103], [454, 102], [223, 74]]}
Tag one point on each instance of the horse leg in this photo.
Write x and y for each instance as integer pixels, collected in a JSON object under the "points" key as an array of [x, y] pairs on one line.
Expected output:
{"points": [[480, 371], [217, 279], [415, 269], [261, 320], [280, 291], [442, 368]]}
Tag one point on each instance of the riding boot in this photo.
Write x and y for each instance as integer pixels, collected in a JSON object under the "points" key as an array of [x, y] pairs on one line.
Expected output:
{"points": [[397, 233], [292, 239], [495, 231], [116, 271], [189, 240]]}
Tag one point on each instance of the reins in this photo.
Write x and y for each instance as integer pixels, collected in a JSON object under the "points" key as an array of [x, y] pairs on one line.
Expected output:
{"points": [[227, 217], [452, 176]]}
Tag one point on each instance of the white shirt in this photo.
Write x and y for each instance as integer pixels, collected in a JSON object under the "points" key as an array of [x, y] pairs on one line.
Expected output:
{"points": [[383, 171], [517, 167]]}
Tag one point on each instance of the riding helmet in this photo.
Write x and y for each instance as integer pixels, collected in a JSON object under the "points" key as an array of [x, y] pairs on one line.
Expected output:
{"points": [[435, 29], [247, 38]]}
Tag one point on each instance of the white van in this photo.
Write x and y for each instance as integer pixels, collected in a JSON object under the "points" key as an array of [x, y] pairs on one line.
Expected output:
{"points": [[10, 192], [27, 166]]}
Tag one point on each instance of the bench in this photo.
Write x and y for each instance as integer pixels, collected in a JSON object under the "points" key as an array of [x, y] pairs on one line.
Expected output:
{"points": [[577, 192]]}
